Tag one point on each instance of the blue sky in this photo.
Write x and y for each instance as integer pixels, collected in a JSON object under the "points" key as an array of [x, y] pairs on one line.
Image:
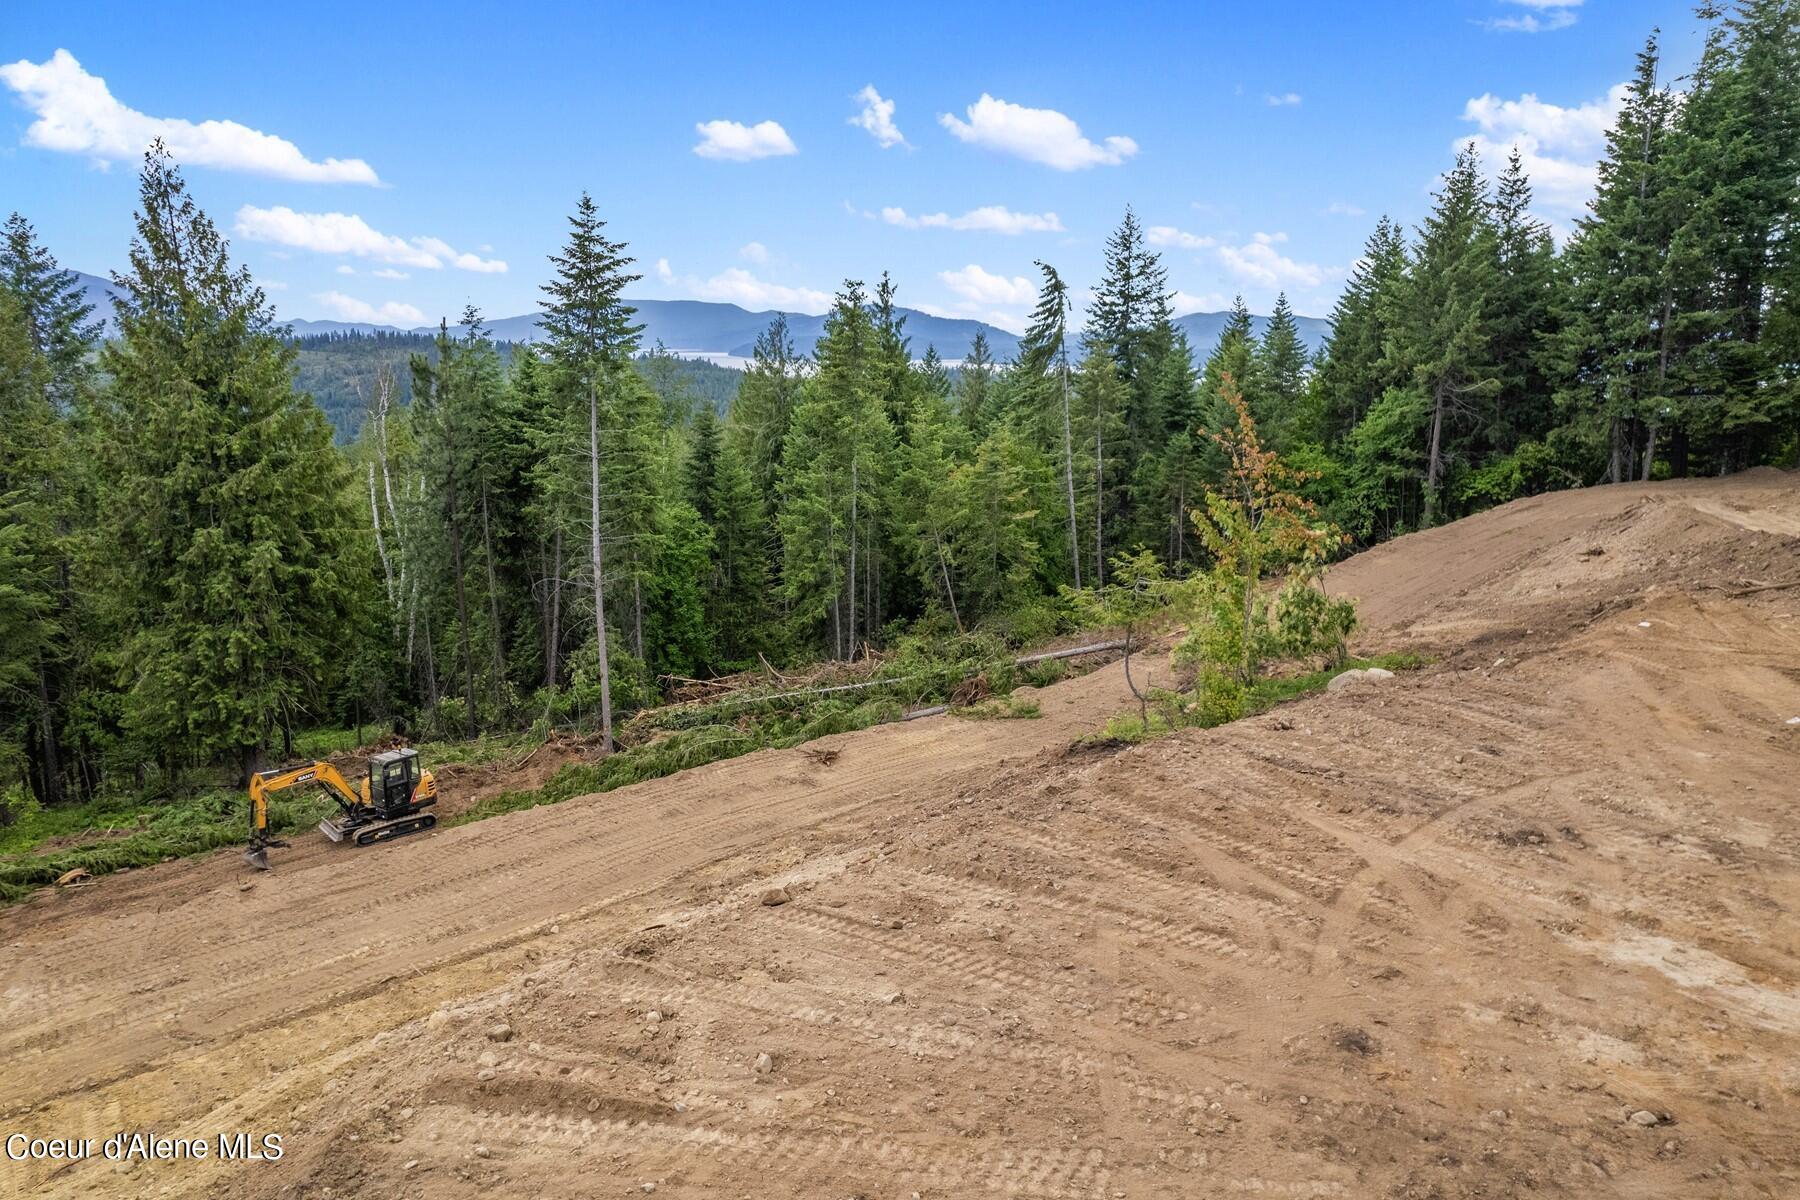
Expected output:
{"points": [[393, 163]]}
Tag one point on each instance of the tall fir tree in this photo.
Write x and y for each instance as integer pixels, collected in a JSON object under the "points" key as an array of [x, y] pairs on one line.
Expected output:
{"points": [[226, 497], [975, 386], [591, 336], [1045, 401]]}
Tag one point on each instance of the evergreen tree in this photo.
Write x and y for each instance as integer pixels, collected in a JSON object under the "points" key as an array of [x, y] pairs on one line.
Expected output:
{"points": [[29, 636], [764, 406], [1280, 370], [738, 588], [997, 522], [1357, 370], [936, 444], [54, 309], [591, 338], [833, 462], [226, 496], [1614, 348], [1044, 401], [1525, 316], [1445, 339], [975, 386]]}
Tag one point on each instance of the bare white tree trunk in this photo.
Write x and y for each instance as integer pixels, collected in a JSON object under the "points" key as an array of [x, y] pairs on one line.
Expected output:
{"points": [[387, 568]]}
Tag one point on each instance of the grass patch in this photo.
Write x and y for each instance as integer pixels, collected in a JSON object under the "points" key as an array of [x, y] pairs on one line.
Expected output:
{"points": [[1169, 711], [113, 834], [1001, 708], [686, 748]]}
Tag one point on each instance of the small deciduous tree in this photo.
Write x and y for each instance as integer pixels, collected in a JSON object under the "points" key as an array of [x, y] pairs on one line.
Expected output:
{"points": [[1254, 524]]}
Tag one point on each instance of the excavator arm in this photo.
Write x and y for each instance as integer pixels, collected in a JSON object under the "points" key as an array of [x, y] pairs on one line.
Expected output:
{"points": [[266, 783]]}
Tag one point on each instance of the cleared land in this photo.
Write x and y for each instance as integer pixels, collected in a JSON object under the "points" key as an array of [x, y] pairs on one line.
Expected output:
{"points": [[1521, 923]]}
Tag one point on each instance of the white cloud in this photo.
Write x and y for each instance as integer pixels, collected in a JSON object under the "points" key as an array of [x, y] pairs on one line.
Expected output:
{"points": [[347, 233], [990, 218], [77, 114], [664, 272], [1041, 135], [349, 308], [389, 273], [754, 252], [1182, 303], [1338, 208], [346, 269], [1168, 235], [978, 286], [1283, 99], [731, 142], [738, 286], [1259, 262], [877, 116], [1557, 14], [1559, 147]]}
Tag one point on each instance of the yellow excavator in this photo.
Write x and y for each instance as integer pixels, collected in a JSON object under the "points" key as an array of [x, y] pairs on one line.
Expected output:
{"points": [[389, 804]]}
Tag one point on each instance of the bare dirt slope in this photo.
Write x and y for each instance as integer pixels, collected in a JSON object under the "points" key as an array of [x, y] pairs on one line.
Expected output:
{"points": [[1521, 923]]}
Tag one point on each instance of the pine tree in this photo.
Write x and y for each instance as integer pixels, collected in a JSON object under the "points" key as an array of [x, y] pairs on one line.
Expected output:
{"points": [[1614, 350], [49, 376], [995, 540], [1736, 154], [764, 407], [1131, 301], [1044, 389], [738, 588], [443, 416], [1281, 371], [975, 386], [54, 309], [226, 497], [1357, 370], [1524, 316], [833, 462], [29, 636], [591, 338], [936, 445], [1445, 338]]}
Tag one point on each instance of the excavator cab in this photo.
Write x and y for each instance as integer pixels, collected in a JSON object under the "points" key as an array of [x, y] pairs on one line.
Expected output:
{"points": [[393, 778]]}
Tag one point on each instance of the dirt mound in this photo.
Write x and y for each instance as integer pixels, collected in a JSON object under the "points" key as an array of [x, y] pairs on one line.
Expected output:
{"points": [[1512, 925]]}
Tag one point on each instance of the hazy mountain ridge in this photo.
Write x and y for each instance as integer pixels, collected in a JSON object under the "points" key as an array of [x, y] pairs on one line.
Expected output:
{"points": [[716, 328]]}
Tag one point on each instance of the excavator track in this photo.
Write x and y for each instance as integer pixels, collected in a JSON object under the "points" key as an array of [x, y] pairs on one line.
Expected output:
{"points": [[387, 831], [378, 831]]}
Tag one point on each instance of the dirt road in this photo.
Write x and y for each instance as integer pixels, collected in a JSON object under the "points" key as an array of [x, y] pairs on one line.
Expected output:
{"points": [[1520, 923]]}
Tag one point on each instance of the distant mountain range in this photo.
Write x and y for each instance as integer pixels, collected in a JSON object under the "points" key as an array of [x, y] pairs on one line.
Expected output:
{"points": [[727, 333]]}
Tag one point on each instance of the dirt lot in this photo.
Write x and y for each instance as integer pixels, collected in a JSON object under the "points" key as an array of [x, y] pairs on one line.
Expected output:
{"points": [[1518, 924]]}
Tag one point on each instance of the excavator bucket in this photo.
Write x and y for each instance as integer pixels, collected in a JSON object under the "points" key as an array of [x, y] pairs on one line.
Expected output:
{"points": [[258, 857]]}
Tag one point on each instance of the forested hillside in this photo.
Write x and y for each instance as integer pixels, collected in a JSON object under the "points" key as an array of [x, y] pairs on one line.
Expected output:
{"points": [[337, 370], [189, 567]]}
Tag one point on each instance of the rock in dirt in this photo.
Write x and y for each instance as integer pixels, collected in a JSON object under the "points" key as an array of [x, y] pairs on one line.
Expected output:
{"points": [[654, 1016], [1356, 675], [483, 1152], [500, 1033], [1644, 1117], [488, 1059], [437, 1020], [764, 1064], [776, 896]]}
